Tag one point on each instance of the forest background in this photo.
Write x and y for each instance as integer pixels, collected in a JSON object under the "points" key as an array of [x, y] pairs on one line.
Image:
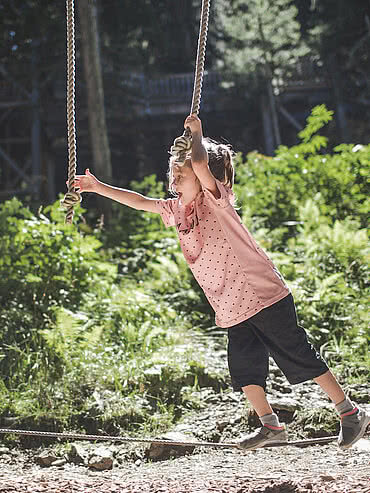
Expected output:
{"points": [[92, 313]]}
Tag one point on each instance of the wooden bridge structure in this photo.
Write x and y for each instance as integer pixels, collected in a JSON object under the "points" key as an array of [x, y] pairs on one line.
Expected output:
{"points": [[33, 130]]}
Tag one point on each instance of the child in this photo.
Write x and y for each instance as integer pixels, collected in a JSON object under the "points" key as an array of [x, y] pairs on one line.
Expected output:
{"points": [[248, 294]]}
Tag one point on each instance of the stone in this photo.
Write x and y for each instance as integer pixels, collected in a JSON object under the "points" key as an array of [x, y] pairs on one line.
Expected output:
{"points": [[59, 463], [327, 477], [158, 451], [221, 425], [77, 454], [101, 459], [45, 459], [284, 403]]}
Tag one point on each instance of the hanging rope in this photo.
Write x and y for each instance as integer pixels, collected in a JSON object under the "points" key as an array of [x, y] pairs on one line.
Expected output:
{"points": [[79, 436], [71, 197], [182, 145]]}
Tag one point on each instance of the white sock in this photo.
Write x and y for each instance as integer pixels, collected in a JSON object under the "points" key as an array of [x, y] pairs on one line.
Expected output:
{"points": [[344, 406], [270, 420]]}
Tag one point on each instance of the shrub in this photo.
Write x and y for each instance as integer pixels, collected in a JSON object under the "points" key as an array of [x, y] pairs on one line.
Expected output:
{"points": [[271, 190], [44, 263]]}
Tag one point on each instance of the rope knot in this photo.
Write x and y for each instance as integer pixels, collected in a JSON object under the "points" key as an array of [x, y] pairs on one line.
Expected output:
{"points": [[70, 199], [180, 148]]}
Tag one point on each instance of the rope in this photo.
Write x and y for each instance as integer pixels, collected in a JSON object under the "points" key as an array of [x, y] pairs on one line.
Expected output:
{"points": [[79, 436], [71, 197], [201, 56], [182, 144]]}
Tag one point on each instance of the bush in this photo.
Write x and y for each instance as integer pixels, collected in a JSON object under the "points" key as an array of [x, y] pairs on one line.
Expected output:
{"points": [[308, 209], [84, 327], [44, 263], [271, 190]]}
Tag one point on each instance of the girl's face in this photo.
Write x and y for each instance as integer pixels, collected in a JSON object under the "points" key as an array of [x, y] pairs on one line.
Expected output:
{"points": [[185, 181]]}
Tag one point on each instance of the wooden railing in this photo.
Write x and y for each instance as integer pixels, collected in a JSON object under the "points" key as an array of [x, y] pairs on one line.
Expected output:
{"points": [[171, 85]]}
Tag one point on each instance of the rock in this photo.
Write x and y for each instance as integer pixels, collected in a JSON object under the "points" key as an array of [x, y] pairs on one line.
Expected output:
{"points": [[77, 454], [101, 459], [285, 403], [45, 459], [327, 477], [163, 451], [59, 463], [238, 418], [4, 450], [221, 425]]}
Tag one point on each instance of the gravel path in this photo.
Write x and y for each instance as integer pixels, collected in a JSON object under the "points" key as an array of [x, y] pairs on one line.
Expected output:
{"points": [[320, 468], [221, 417]]}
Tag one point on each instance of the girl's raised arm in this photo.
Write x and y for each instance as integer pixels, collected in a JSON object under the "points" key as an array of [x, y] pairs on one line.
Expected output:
{"points": [[199, 156]]}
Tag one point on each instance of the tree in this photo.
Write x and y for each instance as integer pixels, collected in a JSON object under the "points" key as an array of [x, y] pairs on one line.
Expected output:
{"points": [[95, 94], [32, 44], [340, 32], [265, 41]]}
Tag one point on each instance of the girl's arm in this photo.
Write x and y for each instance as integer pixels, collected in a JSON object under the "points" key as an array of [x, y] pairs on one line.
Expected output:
{"points": [[89, 183], [199, 156]]}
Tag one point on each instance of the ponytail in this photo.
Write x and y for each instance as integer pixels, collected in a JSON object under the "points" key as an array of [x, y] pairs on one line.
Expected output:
{"points": [[220, 161]]}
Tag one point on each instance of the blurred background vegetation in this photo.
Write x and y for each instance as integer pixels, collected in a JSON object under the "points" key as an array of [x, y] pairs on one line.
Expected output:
{"points": [[103, 326]]}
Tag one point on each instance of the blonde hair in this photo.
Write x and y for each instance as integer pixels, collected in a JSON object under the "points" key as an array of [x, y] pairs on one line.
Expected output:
{"points": [[220, 162]]}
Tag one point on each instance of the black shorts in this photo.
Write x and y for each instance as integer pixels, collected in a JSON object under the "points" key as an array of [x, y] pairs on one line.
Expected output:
{"points": [[273, 331]]}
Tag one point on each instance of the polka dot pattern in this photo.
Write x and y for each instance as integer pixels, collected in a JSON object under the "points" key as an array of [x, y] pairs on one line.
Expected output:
{"points": [[235, 274]]}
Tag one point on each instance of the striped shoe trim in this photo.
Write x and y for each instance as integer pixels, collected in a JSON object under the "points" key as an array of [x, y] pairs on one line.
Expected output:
{"points": [[349, 413], [271, 427]]}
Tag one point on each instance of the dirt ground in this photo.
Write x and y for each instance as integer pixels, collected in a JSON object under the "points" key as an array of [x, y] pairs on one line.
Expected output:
{"points": [[319, 469], [221, 418]]}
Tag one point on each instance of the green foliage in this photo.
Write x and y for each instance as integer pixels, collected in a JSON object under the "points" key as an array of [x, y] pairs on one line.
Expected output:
{"points": [[309, 210], [43, 263], [126, 222], [101, 327], [328, 272], [271, 190], [265, 36], [100, 320]]}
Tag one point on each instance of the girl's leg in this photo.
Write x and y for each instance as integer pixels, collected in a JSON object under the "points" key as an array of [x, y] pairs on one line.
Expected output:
{"points": [[329, 384], [257, 397], [354, 420], [272, 431]]}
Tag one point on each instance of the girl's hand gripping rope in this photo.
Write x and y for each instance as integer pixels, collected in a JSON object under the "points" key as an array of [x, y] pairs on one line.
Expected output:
{"points": [[86, 183], [194, 123]]}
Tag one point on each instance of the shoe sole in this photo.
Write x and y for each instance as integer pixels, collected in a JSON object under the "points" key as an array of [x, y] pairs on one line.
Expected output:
{"points": [[365, 424]]}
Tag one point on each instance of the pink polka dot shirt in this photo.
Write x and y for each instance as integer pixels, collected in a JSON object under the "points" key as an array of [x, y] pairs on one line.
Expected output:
{"points": [[236, 275]]}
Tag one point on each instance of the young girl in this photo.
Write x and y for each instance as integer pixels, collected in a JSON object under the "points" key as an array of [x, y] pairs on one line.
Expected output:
{"points": [[247, 292]]}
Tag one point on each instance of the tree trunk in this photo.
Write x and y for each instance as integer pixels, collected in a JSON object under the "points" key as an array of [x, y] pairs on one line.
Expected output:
{"points": [[338, 89], [268, 132], [102, 166], [274, 115], [36, 122], [267, 74]]}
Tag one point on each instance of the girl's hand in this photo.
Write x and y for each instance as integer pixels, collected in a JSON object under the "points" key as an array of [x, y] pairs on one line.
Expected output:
{"points": [[194, 123], [86, 182]]}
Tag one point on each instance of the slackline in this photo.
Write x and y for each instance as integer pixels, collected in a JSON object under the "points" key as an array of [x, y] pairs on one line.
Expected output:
{"points": [[80, 436]]}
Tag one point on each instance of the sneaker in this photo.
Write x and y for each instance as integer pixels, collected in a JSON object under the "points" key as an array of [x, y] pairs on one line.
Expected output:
{"points": [[352, 428], [264, 436]]}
